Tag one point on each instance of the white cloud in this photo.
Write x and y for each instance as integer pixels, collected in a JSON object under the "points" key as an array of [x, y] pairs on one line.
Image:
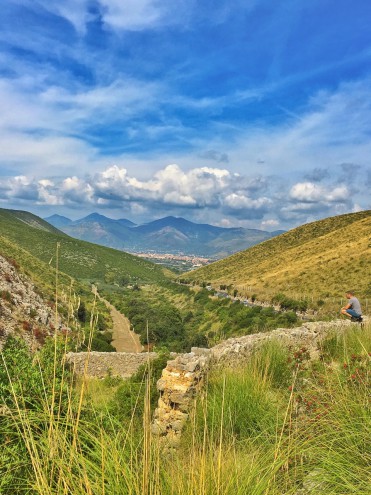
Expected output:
{"points": [[132, 14], [125, 96], [269, 224], [202, 187], [240, 202], [313, 193], [333, 129], [196, 187], [75, 190], [28, 190], [115, 14], [207, 194]]}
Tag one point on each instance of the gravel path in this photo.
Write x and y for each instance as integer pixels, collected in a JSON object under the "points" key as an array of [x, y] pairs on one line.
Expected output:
{"points": [[123, 339]]}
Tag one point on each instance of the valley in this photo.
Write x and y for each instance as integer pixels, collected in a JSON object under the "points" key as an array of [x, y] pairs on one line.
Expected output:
{"points": [[298, 269], [178, 263], [123, 338], [283, 391]]}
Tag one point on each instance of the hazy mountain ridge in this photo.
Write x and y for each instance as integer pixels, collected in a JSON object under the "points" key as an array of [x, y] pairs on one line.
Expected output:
{"points": [[317, 259], [169, 234]]}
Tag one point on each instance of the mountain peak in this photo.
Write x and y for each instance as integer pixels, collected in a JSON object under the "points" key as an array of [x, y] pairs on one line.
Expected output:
{"points": [[171, 234], [94, 216], [58, 220]]}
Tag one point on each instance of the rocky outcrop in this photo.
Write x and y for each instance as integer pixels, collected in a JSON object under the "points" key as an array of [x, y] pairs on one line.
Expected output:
{"points": [[22, 310], [102, 364]]}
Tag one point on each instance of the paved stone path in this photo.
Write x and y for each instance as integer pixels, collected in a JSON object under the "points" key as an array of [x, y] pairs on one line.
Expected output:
{"points": [[123, 339]]}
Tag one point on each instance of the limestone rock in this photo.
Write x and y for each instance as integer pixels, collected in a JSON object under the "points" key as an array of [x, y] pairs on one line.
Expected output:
{"points": [[22, 310]]}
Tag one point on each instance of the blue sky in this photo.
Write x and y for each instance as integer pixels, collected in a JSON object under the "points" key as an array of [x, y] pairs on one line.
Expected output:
{"points": [[241, 112]]}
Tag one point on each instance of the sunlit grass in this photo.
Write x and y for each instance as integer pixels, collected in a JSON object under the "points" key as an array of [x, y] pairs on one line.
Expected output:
{"points": [[275, 425], [307, 262]]}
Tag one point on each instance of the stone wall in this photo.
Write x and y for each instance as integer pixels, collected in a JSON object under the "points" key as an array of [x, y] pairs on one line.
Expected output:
{"points": [[183, 376], [234, 351], [178, 386], [101, 364]]}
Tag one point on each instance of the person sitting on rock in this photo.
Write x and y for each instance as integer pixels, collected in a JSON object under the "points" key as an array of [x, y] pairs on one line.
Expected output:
{"points": [[353, 309]]}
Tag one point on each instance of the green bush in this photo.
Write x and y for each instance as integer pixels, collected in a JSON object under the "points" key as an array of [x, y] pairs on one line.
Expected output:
{"points": [[129, 400]]}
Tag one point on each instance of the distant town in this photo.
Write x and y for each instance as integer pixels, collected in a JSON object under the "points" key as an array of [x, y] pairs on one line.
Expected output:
{"points": [[178, 262]]}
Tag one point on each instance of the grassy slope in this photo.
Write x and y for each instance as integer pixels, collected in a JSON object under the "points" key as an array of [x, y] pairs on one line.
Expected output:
{"points": [[79, 259], [322, 257], [278, 425], [41, 273]]}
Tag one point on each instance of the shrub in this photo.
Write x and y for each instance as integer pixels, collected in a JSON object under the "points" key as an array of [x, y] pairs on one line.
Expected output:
{"points": [[129, 398], [6, 296]]}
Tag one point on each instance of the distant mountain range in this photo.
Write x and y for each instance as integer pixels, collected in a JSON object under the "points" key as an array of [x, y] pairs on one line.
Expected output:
{"points": [[167, 235]]}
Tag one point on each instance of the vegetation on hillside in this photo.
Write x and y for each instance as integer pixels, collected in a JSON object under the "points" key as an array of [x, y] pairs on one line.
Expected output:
{"points": [[79, 259], [37, 248], [73, 300], [179, 317], [316, 261], [280, 425]]}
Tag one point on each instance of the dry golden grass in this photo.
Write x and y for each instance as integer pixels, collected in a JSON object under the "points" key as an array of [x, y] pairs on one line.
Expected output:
{"points": [[322, 258]]}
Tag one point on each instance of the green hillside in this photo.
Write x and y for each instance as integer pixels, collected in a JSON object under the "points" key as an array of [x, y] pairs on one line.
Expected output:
{"points": [[79, 259], [318, 259]]}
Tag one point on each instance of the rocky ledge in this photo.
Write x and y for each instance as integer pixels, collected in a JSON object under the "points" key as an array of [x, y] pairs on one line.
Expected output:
{"points": [[22, 310]]}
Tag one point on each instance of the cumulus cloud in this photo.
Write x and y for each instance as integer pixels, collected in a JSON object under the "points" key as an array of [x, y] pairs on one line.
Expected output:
{"points": [[308, 192], [269, 224], [28, 190], [208, 194], [75, 190], [195, 188], [203, 187], [240, 202]]}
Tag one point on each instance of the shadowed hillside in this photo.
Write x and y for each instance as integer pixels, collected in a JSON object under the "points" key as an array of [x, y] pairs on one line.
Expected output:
{"points": [[321, 258], [79, 259]]}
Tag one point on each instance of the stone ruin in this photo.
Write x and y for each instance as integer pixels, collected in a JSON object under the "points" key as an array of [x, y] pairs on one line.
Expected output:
{"points": [[178, 386], [184, 376], [102, 364]]}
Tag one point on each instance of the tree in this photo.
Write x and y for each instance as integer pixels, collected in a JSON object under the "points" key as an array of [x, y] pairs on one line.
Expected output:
{"points": [[82, 314]]}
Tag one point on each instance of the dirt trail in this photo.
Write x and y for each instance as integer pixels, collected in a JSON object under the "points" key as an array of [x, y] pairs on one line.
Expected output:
{"points": [[123, 339]]}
